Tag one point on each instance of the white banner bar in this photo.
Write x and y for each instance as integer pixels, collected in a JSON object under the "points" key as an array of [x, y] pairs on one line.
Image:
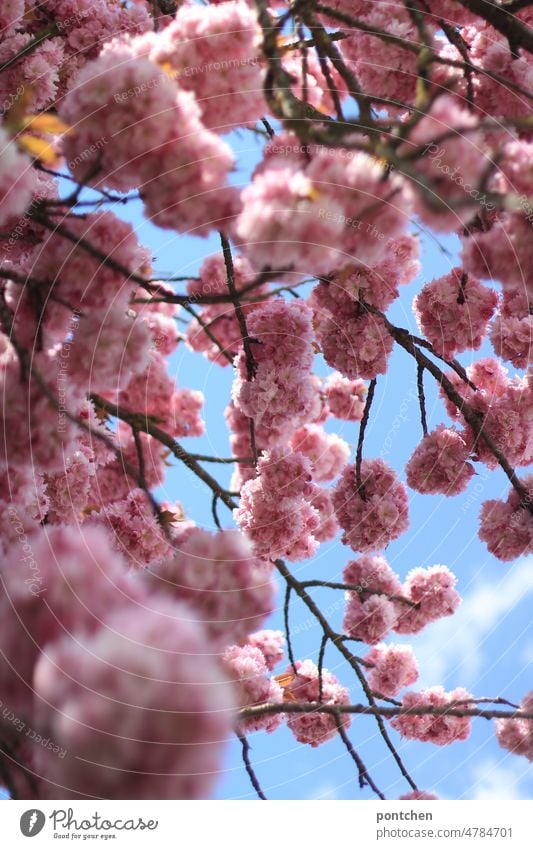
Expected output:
{"points": [[358, 824]]}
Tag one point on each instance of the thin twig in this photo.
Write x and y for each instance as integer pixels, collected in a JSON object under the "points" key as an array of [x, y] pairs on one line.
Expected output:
{"points": [[361, 439], [249, 768]]}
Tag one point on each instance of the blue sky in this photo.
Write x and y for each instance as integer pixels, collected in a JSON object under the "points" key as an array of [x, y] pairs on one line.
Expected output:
{"points": [[486, 647]]}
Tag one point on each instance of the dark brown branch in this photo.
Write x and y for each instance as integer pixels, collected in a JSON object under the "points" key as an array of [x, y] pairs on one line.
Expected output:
{"points": [[361, 439], [249, 768], [381, 711], [320, 665], [145, 424], [239, 314], [286, 607], [334, 585], [421, 397], [364, 777]]}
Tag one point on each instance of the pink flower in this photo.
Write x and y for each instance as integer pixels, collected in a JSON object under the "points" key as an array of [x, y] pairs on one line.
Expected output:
{"points": [[439, 463], [81, 279], [346, 398], [230, 592], [280, 395], [374, 516], [453, 164], [507, 526], [370, 615], [274, 513], [134, 528], [214, 51], [38, 69], [153, 393], [314, 728], [220, 318], [284, 224], [354, 342], [432, 590], [377, 284], [384, 69], [108, 350], [248, 672], [516, 735], [502, 252], [506, 408], [271, 644], [327, 452], [453, 311], [321, 500], [55, 581], [441, 729], [131, 120], [140, 706], [395, 667]]}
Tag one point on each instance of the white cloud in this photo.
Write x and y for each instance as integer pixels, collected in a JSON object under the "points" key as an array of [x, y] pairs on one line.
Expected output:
{"points": [[493, 780], [457, 644]]}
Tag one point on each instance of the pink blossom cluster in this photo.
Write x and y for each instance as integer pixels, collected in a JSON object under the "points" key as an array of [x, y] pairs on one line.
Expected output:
{"points": [[353, 341], [322, 501], [432, 595], [491, 52], [134, 127], [373, 511], [502, 251], [160, 316], [345, 397], [275, 512], [511, 331], [33, 434], [39, 69], [506, 527], [307, 218], [248, 672], [81, 29], [506, 408], [314, 728], [516, 735], [384, 69], [280, 394], [453, 312], [154, 394], [271, 644], [213, 51], [377, 603], [140, 707], [230, 591], [441, 729], [453, 161], [370, 613], [327, 452], [439, 464], [83, 268], [134, 529], [394, 667], [114, 476], [377, 284], [66, 580]]}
